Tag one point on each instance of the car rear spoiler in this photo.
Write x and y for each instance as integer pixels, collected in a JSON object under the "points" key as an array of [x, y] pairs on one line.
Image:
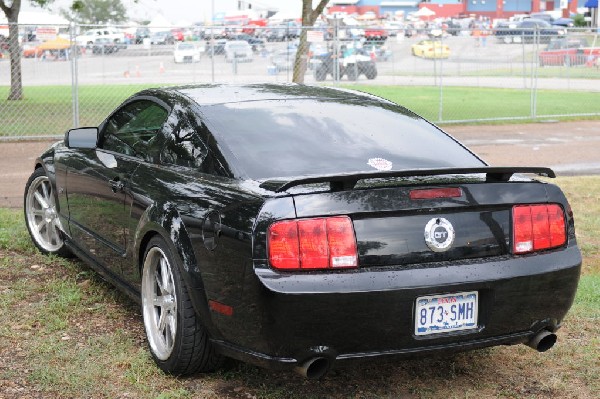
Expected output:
{"points": [[348, 181]]}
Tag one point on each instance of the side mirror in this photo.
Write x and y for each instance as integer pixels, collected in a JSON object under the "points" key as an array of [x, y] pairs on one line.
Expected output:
{"points": [[83, 137]]}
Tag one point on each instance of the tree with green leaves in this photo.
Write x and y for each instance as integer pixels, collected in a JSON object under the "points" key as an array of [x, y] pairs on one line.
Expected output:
{"points": [[96, 12], [309, 16]]}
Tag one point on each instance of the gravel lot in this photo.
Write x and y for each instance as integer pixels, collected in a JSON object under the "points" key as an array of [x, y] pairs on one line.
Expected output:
{"points": [[567, 147]]}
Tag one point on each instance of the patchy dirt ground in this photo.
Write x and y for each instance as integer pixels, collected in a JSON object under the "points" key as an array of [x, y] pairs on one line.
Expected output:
{"points": [[567, 147]]}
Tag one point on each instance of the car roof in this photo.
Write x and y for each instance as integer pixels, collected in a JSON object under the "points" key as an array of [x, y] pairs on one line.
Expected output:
{"points": [[208, 94]]}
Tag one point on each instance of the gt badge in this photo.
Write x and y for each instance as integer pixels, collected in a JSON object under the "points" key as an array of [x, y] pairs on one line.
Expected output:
{"points": [[439, 234]]}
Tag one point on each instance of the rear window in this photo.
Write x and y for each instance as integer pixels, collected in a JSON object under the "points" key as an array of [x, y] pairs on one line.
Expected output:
{"points": [[278, 138]]}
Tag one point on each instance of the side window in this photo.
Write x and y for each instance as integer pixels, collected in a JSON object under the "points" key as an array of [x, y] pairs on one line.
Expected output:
{"points": [[132, 128], [183, 146]]}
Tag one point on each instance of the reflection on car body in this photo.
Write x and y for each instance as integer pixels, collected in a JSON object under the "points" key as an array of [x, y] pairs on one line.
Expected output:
{"points": [[300, 227]]}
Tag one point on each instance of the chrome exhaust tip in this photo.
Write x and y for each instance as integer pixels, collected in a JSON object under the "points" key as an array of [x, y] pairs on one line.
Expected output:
{"points": [[314, 368]]}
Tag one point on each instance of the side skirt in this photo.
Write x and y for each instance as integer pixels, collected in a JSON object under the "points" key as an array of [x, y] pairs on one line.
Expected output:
{"points": [[105, 273]]}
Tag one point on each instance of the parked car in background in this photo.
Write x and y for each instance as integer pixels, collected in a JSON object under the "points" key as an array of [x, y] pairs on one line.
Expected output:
{"points": [[162, 38], [304, 228], [528, 31], [256, 43], [430, 49], [104, 45], [89, 38], [375, 33], [282, 32], [284, 60], [567, 52], [238, 51], [216, 48], [178, 34], [31, 50], [185, 52], [141, 33]]}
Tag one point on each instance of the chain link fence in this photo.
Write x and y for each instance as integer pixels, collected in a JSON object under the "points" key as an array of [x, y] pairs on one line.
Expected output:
{"points": [[75, 75]]}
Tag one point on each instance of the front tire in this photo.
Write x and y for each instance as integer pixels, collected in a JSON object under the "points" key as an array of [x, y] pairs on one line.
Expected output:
{"points": [[352, 72], [41, 215], [178, 341]]}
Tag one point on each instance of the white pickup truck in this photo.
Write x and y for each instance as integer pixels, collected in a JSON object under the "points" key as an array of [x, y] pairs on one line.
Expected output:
{"points": [[88, 38]]}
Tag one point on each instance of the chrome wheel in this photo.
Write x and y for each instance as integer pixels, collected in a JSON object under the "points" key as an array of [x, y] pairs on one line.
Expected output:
{"points": [[159, 303], [41, 215]]}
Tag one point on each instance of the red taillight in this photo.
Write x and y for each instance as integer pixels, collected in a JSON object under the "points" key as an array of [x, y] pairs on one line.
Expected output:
{"points": [[430, 193], [538, 227], [321, 243]]}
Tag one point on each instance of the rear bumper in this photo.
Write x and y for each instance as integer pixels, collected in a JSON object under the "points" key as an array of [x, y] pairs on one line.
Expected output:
{"points": [[289, 318]]}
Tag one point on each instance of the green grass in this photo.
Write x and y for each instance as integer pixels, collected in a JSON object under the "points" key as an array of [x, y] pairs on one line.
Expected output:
{"points": [[466, 103], [583, 193], [47, 110]]}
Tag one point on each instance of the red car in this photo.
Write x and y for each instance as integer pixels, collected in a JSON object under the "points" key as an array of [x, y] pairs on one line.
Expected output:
{"points": [[376, 33], [177, 34], [568, 52]]}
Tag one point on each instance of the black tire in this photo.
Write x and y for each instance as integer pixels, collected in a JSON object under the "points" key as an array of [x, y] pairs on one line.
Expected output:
{"points": [[371, 72], [187, 349], [320, 73], [352, 72], [41, 215]]}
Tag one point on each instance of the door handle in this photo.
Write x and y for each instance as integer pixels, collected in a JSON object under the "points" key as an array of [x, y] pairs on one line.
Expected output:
{"points": [[116, 184]]}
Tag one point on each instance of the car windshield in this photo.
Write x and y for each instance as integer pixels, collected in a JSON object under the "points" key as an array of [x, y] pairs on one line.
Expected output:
{"points": [[186, 47], [277, 138], [238, 47]]}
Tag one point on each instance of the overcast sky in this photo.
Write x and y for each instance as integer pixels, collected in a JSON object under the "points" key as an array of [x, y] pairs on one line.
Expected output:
{"points": [[177, 10]]}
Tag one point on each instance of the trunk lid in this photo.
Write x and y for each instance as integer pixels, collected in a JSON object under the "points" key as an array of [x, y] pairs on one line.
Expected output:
{"points": [[391, 227]]}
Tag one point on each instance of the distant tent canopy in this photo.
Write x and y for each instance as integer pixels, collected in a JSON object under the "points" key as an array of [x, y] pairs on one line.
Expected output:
{"points": [[56, 44], [591, 4]]}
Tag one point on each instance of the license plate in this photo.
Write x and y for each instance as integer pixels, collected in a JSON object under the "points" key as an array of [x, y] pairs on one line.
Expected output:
{"points": [[437, 314]]}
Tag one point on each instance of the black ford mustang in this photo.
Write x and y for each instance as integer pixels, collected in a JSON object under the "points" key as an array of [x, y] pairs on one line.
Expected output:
{"points": [[304, 227]]}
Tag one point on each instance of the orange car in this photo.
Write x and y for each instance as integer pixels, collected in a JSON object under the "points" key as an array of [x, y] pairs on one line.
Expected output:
{"points": [[32, 51]]}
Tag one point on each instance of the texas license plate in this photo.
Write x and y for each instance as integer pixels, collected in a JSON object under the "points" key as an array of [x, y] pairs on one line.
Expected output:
{"points": [[436, 314]]}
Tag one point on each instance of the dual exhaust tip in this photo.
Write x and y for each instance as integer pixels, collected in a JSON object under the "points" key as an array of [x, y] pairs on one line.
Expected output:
{"points": [[316, 367]]}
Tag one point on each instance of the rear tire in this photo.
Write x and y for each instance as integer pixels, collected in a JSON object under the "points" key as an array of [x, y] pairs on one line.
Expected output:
{"points": [[371, 72], [320, 73], [179, 342], [41, 215]]}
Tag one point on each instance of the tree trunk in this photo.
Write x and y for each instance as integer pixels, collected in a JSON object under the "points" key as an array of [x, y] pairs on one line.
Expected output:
{"points": [[309, 16], [301, 61], [12, 16], [16, 78]]}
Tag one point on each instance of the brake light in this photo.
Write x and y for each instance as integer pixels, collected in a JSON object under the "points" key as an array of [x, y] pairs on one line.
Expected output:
{"points": [[538, 227], [309, 244], [430, 193]]}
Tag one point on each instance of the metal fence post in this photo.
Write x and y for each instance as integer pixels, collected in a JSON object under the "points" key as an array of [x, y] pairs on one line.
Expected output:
{"points": [[74, 54], [534, 73], [441, 106]]}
